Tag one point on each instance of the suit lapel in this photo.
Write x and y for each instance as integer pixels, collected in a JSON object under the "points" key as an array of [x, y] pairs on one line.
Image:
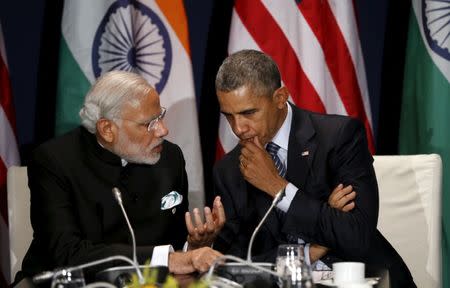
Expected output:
{"points": [[301, 149], [262, 204]]}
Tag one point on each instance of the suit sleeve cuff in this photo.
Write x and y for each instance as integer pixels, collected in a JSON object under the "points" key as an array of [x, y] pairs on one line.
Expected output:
{"points": [[160, 255], [285, 202]]}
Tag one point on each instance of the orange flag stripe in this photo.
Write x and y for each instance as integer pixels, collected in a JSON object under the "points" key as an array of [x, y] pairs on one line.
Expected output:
{"points": [[176, 15]]}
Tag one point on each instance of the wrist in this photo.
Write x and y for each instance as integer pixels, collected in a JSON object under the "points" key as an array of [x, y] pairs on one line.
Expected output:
{"points": [[278, 186], [180, 262]]}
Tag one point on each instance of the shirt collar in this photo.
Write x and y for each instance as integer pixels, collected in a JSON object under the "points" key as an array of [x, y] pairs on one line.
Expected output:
{"points": [[282, 136]]}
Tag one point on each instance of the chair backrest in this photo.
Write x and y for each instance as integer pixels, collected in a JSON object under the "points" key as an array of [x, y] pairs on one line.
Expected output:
{"points": [[20, 231], [410, 190]]}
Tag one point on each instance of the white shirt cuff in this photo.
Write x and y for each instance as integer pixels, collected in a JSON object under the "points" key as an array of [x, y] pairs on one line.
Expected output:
{"points": [[285, 202], [185, 246], [307, 259], [160, 255]]}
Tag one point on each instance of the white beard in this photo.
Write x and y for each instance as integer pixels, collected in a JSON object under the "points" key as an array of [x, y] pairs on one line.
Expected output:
{"points": [[135, 153]]}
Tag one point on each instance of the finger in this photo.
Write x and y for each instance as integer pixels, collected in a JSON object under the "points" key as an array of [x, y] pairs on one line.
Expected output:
{"points": [[350, 196], [198, 222], [243, 162], [209, 222], [337, 189], [345, 200], [246, 152], [349, 207], [209, 259], [189, 225], [347, 189], [219, 212], [252, 147], [258, 143], [340, 193]]}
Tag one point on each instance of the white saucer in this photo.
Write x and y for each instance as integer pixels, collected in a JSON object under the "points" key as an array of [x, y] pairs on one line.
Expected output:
{"points": [[329, 282]]}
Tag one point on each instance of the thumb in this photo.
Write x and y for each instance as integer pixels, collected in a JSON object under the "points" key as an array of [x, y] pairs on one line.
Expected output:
{"points": [[257, 142]]}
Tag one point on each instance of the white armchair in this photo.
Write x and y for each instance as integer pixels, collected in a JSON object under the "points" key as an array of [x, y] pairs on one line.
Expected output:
{"points": [[410, 190], [20, 231]]}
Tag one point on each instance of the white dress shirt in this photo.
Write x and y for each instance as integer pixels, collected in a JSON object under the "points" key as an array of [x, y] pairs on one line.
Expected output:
{"points": [[282, 140]]}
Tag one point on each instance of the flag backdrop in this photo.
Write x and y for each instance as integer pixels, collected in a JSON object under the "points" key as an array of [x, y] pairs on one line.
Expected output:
{"points": [[9, 156], [148, 37], [317, 49], [425, 115]]}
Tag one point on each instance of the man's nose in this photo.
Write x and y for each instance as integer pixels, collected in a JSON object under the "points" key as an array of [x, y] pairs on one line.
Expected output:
{"points": [[161, 129], [239, 126]]}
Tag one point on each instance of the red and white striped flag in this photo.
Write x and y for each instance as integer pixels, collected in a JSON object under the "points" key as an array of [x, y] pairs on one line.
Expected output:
{"points": [[317, 49], [8, 156]]}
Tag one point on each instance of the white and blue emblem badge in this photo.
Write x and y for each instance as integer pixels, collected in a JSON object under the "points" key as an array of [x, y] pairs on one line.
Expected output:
{"points": [[171, 200]]}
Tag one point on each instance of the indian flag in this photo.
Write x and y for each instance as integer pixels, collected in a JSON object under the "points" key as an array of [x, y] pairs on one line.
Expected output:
{"points": [[425, 115], [147, 37]]}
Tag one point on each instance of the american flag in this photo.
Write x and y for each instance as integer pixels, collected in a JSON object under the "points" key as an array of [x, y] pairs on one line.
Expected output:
{"points": [[317, 49]]}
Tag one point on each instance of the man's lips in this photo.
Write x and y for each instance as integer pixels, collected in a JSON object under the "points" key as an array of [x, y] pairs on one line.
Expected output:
{"points": [[158, 148]]}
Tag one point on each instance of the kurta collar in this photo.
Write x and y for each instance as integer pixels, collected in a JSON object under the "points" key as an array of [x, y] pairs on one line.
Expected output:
{"points": [[105, 155]]}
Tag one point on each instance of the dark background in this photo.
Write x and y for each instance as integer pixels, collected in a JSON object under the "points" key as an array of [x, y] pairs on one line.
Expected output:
{"points": [[32, 31]]}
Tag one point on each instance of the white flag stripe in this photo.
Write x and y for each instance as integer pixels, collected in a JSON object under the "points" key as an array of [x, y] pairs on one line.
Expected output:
{"points": [[345, 18], [79, 22], [8, 144], [226, 136], [239, 36], [308, 51], [182, 112]]}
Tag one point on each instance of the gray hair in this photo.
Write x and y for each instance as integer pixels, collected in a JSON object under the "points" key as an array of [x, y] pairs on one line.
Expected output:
{"points": [[110, 92], [249, 68]]}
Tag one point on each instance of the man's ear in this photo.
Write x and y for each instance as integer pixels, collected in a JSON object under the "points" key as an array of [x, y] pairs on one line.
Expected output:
{"points": [[281, 95], [106, 130]]}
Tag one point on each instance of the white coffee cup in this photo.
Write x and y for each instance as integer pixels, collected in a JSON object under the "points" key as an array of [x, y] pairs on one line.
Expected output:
{"points": [[348, 272]]}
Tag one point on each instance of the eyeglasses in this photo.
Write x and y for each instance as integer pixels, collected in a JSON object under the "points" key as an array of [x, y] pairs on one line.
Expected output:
{"points": [[153, 123]]}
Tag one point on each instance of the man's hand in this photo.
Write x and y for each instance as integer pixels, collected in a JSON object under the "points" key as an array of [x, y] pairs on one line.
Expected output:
{"points": [[203, 234], [316, 252], [195, 260], [342, 198], [258, 168]]}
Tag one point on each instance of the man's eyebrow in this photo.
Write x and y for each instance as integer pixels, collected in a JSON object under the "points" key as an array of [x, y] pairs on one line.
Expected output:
{"points": [[248, 111], [243, 112]]}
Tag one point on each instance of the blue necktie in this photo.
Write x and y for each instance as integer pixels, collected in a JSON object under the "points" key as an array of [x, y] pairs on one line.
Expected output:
{"points": [[273, 148]]}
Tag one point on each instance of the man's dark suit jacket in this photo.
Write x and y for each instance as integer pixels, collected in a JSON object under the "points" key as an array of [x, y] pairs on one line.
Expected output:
{"points": [[74, 215], [323, 151]]}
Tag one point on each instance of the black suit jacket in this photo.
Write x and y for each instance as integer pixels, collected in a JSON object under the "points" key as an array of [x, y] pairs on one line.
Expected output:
{"points": [[73, 212], [323, 151]]}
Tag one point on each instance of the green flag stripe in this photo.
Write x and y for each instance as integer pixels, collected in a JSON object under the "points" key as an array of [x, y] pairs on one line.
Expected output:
{"points": [[72, 86], [425, 120]]}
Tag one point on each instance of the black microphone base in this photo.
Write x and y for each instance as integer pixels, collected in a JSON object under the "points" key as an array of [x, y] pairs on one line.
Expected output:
{"points": [[246, 275]]}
